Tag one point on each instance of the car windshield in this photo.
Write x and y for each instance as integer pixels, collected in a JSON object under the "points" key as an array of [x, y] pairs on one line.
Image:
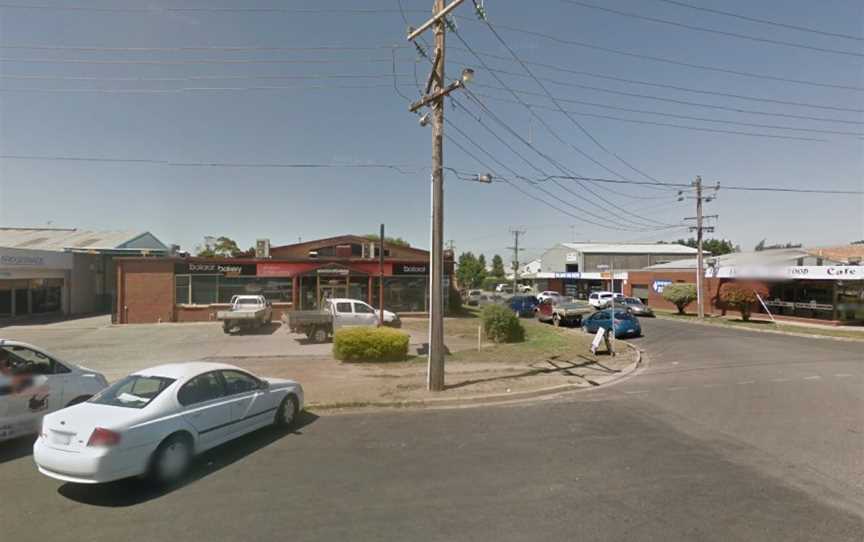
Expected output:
{"points": [[134, 391], [247, 301]]}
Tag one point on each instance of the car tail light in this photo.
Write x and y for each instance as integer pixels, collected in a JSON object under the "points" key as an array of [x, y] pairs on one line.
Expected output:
{"points": [[103, 437]]}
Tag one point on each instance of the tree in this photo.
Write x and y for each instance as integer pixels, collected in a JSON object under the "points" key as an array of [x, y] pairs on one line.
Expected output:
{"points": [[498, 267], [225, 247], [762, 246], [741, 296], [861, 242], [395, 241], [680, 294], [469, 271], [717, 247], [481, 260]]}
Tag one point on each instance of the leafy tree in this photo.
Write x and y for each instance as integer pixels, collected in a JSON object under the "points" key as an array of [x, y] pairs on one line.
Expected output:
{"points": [[741, 296], [489, 283], [225, 247], [680, 294], [762, 246], [481, 260], [717, 247], [498, 267], [861, 242], [469, 271], [395, 241]]}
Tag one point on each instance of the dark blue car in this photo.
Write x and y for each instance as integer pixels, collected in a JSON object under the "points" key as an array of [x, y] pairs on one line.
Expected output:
{"points": [[626, 325], [523, 305]]}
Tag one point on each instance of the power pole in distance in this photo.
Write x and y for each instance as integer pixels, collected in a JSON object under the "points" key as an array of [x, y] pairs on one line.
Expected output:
{"points": [[516, 233], [700, 228], [436, 90]]}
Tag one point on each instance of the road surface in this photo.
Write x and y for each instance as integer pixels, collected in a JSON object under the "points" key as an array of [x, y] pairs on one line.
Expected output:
{"points": [[724, 435]]}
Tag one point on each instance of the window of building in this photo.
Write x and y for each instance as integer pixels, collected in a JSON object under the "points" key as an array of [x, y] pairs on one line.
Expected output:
{"points": [[5, 302], [205, 289], [46, 295], [181, 287]]}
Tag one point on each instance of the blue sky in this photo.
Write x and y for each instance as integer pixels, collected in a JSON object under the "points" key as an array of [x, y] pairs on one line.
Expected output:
{"points": [[321, 121]]}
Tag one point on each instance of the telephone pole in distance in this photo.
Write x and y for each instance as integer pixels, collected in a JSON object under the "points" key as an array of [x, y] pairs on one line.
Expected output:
{"points": [[700, 228], [515, 248]]}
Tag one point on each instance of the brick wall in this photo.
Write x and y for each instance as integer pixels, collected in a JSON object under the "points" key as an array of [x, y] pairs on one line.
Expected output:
{"points": [[656, 300], [147, 291]]}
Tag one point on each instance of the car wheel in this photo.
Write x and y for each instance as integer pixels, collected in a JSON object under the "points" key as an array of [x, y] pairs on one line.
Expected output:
{"points": [[171, 460], [319, 335], [78, 400], [226, 328], [556, 320], [286, 414]]}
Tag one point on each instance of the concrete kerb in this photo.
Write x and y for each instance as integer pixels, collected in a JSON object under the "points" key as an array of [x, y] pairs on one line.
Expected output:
{"points": [[480, 400], [756, 330]]}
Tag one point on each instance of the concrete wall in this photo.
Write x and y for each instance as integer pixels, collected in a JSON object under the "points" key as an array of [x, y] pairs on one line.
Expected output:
{"points": [[83, 287]]}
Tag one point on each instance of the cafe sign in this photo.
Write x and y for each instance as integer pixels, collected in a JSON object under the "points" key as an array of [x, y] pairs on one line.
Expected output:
{"points": [[805, 272], [410, 269], [223, 269]]}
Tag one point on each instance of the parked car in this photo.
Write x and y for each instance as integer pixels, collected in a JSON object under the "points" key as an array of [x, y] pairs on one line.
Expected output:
{"points": [[523, 305], [601, 300], [504, 288], [246, 312], [562, 312], [548, 294], [34, 383], [319, 325], [473, 297], [637, 307], [626, 325], [524, 289], [154, 421]]}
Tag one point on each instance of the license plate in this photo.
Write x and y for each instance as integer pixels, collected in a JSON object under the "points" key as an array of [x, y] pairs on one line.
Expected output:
{"points": [[61, 438]]}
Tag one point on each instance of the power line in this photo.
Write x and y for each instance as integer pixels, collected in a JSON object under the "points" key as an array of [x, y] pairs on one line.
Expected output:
{"points": [[197, 49], [684, 127], [565, 41], [27, 77], [678, 116], [686, 102], [561, 109], [762, 21], [159, 10], [197, 61], [190, 89], [712, 30]]}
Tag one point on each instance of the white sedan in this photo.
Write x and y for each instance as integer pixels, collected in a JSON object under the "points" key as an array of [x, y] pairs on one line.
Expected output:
{"points": [[34, 383], [153, 422]]}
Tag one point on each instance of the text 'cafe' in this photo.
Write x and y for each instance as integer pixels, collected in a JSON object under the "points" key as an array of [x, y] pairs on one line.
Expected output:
{"points": [[299, 276]]}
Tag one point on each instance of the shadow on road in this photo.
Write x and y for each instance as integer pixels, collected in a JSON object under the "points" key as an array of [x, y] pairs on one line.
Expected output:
{"points": [[266, 329], [16, 448], [133, 491], [558, 367]]}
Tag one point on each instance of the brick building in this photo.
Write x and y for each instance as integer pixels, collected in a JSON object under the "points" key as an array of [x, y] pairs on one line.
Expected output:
{"points": [[297, 276]]}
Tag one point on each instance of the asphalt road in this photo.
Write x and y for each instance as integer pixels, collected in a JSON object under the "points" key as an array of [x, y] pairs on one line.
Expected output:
{"points": [[725, 435]]}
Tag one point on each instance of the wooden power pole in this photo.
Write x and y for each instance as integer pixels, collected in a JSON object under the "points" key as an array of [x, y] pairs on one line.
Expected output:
{"points": [[436, 91], [516, 233], [700, 228]]}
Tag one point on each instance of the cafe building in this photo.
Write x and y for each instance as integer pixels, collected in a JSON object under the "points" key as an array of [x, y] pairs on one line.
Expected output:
{"points": [[299, 276]]}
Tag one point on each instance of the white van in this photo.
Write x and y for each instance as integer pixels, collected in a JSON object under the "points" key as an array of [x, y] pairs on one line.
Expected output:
{"points": [[601, 300]]}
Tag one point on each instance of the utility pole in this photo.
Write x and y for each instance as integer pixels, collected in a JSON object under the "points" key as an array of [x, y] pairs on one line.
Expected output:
{"points": [[516, 233], [700, 228], [436, 91], [381, 278]]}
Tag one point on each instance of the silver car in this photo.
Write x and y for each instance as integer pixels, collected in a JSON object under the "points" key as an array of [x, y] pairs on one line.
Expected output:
{"points": [[636, 307]]}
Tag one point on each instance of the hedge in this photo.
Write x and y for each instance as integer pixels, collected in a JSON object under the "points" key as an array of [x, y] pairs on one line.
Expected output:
{"points": [[501, 324], [370, 344]]}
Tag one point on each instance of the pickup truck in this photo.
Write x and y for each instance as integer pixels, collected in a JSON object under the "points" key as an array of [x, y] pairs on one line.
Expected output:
{"points": [[319, 325], [563, 312], [247, 312]]}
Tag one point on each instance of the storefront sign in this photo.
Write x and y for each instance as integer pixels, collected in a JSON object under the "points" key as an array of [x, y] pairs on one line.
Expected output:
{"points": [[659, 285], [568, 275], [224, 269], [410, 269], [13, 258], [807, 272], [572, 257], [330, 271]]}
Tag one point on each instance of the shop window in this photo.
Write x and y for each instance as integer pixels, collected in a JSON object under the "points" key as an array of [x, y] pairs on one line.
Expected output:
{"points": [[5, 302], [46, 299], [22, 304], [276, 290], [181, 287], [205, 289]]}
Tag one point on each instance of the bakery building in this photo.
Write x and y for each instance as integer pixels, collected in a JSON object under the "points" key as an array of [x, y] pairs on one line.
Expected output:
{"points": [[64, 271], [297, 276]]}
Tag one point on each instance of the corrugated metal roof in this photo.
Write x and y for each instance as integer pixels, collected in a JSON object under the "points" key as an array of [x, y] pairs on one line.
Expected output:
{"points": [[786, 256], [61, 239], [629, 248]]}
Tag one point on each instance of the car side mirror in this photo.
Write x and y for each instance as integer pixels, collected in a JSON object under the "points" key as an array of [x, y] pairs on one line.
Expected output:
{"points": [[265, 385]]}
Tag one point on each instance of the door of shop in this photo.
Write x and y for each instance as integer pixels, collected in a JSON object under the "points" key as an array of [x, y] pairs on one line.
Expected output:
{"points": [[329, 291]]}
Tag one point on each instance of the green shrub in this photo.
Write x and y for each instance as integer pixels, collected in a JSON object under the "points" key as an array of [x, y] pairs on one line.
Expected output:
{"points": [[370, 344], [501, 325], [489, 283], [680, 294]]}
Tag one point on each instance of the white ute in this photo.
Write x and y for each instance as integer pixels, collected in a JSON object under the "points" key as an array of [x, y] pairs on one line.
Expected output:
{"points": [[34, 383], [247, 312]]}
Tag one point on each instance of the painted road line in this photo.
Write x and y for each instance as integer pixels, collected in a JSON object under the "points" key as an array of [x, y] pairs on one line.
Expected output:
{"points": [[744, 382], [676, 388], [635, 392], [781, 380], [814, 377], [843, 375]]}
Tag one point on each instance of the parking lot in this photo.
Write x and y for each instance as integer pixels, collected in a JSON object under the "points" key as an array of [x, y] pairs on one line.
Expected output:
{"points": [[116, 350]]}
